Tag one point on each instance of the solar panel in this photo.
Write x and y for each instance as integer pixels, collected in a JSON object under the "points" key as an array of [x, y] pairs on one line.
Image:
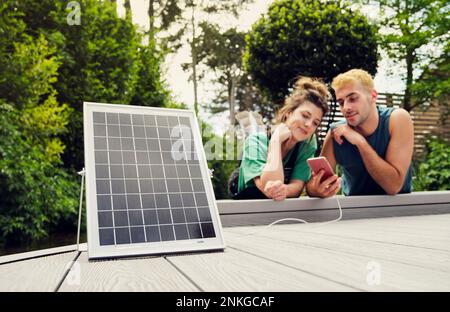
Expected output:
{"points": [[148, 188]]}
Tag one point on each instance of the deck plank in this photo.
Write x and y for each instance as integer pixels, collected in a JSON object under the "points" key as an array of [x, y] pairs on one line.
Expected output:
{"points": [[140, 274], [422, 257], [38, 274], [233, 270], [386, 230], [354, 242], [339, 266], [413, 254], [388, 233], [40, 253], [438, 225]]}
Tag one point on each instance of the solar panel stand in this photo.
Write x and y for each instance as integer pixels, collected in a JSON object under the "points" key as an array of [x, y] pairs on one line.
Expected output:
{"points": [[82, 173]]}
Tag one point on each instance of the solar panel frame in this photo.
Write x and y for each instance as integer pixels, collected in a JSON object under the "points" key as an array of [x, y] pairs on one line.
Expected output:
{"points": [[94, 170]]}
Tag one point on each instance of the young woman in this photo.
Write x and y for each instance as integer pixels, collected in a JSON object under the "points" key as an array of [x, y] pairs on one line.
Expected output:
{"points": [[275, 166]]}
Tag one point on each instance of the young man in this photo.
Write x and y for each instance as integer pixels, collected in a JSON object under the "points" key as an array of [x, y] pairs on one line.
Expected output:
{"points": [[373, 145]]}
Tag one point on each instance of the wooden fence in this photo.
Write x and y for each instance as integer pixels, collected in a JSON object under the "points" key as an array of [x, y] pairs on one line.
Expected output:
{"points": [[426, 123]]}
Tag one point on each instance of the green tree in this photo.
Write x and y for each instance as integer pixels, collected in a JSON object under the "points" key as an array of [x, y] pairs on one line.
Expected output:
{"points": [[417, 33], [432, 172], [35, 195], [250, 98], [222, 52], [28, 71], [162, 15], [127, 6], [218, 160], [150, 87], [99, 57], [44, 62], [35, 192], [100, 63], [102, 60], [189, 29], [433, 85], [310, 38]]}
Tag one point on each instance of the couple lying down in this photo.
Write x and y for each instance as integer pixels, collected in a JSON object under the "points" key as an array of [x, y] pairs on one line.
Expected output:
{"points": [[373, 146]]}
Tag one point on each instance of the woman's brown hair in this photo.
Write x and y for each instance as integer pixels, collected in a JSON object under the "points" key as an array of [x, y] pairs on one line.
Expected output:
{"points": [[305, 90]]}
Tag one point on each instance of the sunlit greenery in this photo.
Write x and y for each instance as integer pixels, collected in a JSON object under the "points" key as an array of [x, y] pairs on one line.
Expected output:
{"points": [[433, 172], [309, 38], [49, 67]]}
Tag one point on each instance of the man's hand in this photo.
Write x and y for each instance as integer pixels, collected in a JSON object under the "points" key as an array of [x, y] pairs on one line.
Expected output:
{"points": [[276, 190], [327, 188], [348, 133]]}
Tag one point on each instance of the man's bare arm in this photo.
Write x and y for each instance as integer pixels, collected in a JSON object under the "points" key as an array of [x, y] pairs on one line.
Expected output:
{"points": [[390, 173]]}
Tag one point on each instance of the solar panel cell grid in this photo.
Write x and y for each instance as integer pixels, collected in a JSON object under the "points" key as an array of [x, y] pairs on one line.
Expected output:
{"points": [[148, 180]]}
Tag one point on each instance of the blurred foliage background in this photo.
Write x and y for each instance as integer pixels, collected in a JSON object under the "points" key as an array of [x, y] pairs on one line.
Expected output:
{"points": [[48, 67]]}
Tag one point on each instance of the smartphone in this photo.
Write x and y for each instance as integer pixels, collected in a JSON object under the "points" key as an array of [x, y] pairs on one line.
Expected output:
{"points": [[318, 163]]}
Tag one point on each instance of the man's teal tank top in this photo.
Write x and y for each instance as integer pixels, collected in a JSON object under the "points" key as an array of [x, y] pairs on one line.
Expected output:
{"points": [[356, 180]]}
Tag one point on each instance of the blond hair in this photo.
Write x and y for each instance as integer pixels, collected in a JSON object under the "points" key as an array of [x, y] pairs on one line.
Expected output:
{"points": [[305, 90], [353, 75]]}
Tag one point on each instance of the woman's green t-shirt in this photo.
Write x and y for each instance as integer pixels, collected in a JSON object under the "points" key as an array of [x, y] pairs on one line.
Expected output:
{"points": [[254, 159]]}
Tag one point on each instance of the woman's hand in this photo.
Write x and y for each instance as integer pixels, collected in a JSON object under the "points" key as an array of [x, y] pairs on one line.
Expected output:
{"points": [[282, 133], [276, 190]]}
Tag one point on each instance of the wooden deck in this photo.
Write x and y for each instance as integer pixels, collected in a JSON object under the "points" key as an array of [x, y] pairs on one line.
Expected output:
{"points": [[410, 253]]}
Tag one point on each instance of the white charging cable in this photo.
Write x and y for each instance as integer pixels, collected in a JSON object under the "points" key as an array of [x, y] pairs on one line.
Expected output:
{"points": [[301, 220]]}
